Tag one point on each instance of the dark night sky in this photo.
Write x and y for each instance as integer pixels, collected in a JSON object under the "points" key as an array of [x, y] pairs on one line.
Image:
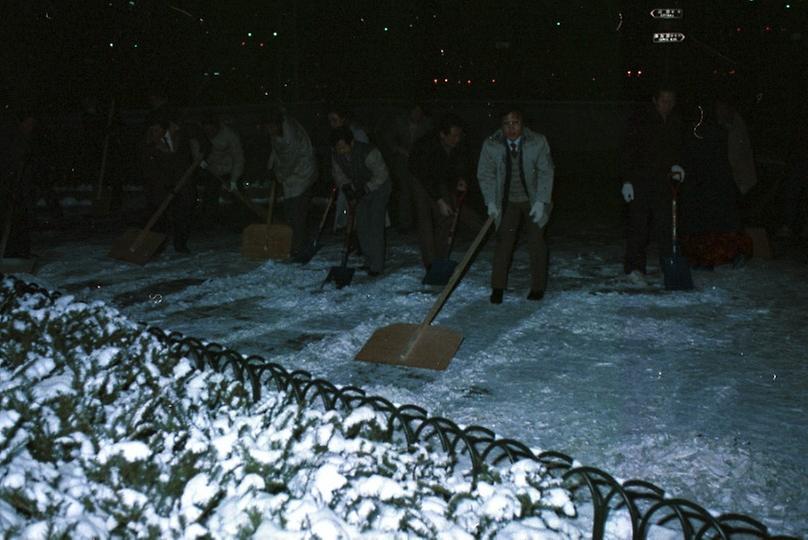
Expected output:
{"points": [[545, 49]]}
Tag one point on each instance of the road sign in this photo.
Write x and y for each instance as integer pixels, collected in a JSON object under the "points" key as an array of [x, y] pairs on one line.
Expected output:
{"points": [[667, 13], [668, 37]]}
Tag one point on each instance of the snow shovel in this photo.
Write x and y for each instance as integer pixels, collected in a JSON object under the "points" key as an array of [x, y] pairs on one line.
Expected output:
{"points": [[103, 197], [675, 268], [342, 275], [140, 245], [311, 250], [13, 265], [421, 345], [260, 242], [441, 269]]}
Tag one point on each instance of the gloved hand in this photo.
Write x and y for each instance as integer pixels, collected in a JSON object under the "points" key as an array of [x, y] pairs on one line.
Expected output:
{"points": [[677, 173], [628, 191], [537, 212], [493, 211], [203, 164], [444, 208]]}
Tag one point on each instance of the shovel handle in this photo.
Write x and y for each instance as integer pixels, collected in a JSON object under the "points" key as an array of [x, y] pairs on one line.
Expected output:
{"points": [[247, 202], [459, 269], [327, 209], [183, 179], [459, 201], [105, 150], [348, 230]]}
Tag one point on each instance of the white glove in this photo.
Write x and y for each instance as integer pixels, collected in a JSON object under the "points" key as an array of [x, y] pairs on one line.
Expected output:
{"points": [[678, 173], [493, 211], [537, 212], [203, 164], [628, 192]]}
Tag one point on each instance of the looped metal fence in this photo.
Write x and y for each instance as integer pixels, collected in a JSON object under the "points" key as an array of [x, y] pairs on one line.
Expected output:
{"points": [[644, 504]]}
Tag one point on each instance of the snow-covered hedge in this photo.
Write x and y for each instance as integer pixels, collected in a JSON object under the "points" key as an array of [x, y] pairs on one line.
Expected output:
{"points": [[105, 432]]}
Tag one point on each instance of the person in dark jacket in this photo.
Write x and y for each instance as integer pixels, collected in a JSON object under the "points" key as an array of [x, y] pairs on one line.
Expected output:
{"points": [[361, 175], [438, 166], [653, 145], [709, 218], [166, 157], [17, 166]]}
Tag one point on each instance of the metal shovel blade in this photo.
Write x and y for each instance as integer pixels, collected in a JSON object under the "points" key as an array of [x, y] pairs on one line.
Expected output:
{"points": [[413, 345], [340, 275], [439, 272], [676, 271]]}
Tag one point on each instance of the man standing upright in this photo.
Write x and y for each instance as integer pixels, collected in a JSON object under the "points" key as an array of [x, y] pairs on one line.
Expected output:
{"points": [[516, 179], [653, 146], [438, 168]]}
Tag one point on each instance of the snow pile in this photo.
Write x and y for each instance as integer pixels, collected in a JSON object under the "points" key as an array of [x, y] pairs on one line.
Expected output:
{"points": [[105, 432]]}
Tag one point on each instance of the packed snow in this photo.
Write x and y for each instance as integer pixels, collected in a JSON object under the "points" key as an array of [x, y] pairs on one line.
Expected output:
{"points": [[702, 392]]}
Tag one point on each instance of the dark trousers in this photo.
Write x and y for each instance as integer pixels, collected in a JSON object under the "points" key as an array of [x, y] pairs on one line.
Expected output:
{"points": [[370, 217], [403, 193], [432, 226], [296, 211], [649, 216], [514, 216], [177, 218]]}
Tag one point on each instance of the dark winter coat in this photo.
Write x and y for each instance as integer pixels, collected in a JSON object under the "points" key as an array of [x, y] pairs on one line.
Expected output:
{"points": [[364, 168], [709, 195], [162, 169], [652, 146], [437, 170]]}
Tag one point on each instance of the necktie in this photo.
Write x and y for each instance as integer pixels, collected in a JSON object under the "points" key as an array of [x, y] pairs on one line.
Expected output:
{"points": [[514, 150]]}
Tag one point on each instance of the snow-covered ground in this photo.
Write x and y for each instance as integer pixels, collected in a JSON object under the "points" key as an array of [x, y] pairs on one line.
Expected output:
{"points": [[703, 393]]}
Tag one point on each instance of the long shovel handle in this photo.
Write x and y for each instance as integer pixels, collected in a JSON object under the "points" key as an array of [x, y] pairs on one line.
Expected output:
{"points": [[455, 219], [244, 200], [9, 210], [183, 179], [348, 231], [459, 269], [6, 232], [271, 201], [105, 150], [325, 214]]}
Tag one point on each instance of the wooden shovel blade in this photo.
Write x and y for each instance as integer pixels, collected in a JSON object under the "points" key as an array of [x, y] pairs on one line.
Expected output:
{"points": [[261, 242], [17, 265], [413, 345], [127, 248]]}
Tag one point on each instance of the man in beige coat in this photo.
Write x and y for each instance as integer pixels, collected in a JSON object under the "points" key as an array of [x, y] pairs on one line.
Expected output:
{"points": [[293, 163], [515, 173]]}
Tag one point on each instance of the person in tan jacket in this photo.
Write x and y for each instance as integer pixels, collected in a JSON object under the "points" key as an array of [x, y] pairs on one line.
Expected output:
{"points": [[516, 173]]}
